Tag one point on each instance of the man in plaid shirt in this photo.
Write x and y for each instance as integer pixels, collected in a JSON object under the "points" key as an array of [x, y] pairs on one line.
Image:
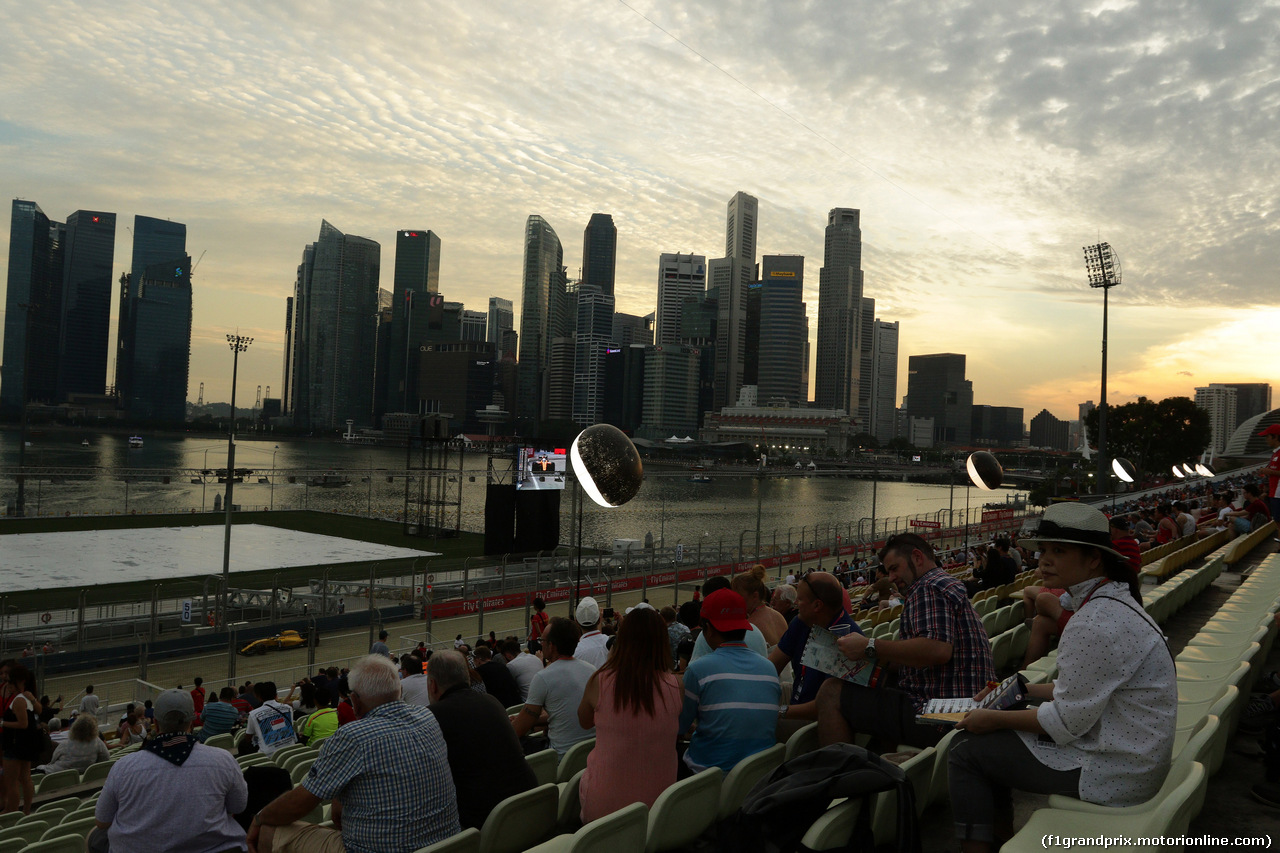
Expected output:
{"points": [[942, 653], [387, 774]]}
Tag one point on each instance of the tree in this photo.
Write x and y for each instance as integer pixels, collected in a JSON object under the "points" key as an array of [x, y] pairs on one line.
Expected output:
{"points": [[1154, 436]]}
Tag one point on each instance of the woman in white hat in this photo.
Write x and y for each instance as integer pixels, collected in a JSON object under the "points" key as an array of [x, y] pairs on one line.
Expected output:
{"points": [[1105, 730]]}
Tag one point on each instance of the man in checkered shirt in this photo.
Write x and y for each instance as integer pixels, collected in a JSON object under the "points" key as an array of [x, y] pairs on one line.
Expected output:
{"points": [[387, 774], [942, 653]]}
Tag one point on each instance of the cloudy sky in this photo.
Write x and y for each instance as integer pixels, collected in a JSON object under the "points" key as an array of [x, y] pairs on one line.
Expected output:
{"points": [[985, 143]]}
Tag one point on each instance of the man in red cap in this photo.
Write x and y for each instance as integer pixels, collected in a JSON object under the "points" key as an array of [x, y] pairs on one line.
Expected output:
{"points": [[732, 694], [1272, 434]]}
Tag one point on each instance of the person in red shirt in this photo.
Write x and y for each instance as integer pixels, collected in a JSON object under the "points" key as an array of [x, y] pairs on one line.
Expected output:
{"points": [[346, 713], [197, 698], [1272, 434], [538, 622], [1253, 506]]}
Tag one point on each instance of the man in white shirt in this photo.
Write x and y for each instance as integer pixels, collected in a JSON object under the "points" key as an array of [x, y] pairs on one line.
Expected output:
{"points": [[271, 723], [413, 681], [522, 665], [556, 692], [90, 704], [592, 646]]}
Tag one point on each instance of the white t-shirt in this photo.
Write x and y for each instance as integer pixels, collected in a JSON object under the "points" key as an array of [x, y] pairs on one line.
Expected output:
{"points": [[413, 689], [271, 726], [593, 649], [558, 689], [523, 667]]}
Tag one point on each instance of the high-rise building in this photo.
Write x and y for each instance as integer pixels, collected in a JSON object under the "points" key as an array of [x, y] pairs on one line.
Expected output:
{"points": [[624, 387], [838, 360], [937, 389], [158, 285], [884, 381], [417, 274], [1220, 402], [286, 380], [670, 391], [1048, 431], [335, 331], [631, 329], [501, 318], [382, 357], [698, 319], [473, 326], [85, 327], [997, 426], [751, 352], [542, 320], [599, 252], [1252, 398], [680, 277], [740, 229], [866, 360], [33, 309], [782, 331], [594, 336], [728, 288]]}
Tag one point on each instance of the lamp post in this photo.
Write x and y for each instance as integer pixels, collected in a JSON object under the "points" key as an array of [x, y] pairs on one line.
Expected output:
{"points": [[273, 477], [608, 469], [1102, 265], [238, 344], [1126, 471], [985, 473], [204, 472]]}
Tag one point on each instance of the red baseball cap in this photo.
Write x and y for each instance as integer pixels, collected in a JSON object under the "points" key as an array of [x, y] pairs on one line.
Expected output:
{"points": [[726, 611], [1274, 429]]}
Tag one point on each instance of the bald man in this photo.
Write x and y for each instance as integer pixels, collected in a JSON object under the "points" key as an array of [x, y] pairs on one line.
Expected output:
{"points": [[819, 603]]}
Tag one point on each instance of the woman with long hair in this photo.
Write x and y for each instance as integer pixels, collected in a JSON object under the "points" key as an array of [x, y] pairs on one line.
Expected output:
{"points": [[81, 749], [21, 741], [751, 586], [1105, 730], [633, 701]]}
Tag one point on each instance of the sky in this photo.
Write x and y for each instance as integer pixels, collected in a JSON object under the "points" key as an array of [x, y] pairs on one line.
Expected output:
{"points": [[984, 142]]}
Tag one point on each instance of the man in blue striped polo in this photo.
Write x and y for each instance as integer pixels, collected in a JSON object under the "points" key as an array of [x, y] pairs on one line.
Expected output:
{"points": [[733, 693]]}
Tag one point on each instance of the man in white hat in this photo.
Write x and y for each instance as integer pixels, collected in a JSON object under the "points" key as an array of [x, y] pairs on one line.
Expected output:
{"points": [[175, 793], [591, 645]]}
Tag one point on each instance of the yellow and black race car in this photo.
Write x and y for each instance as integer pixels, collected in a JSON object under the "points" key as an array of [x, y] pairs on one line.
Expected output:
{"points": [[283, 640]]}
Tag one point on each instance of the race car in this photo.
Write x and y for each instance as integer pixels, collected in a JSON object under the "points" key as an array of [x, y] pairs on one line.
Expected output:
{"points": [[283, 640]]}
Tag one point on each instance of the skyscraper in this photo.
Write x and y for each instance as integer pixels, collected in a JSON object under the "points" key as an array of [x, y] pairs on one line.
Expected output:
{"points": [[740, 229], [680, 277], [473, 326], [1048, 431], [884, 381], [1220, 402], [286, 380], [866, 360], [731, 276], [838, 360], [542, 315], [631, 329], [335, 331], [670, 391], [599, 252], [501, 318], [85, 322], [594, 337], [158, 286], [1252, 398], [33, 308], [937, 389], [782, 330], [417, 274]]}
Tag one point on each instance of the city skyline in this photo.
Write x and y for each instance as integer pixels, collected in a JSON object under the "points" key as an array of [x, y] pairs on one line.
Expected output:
{"points": [[978, 179]]}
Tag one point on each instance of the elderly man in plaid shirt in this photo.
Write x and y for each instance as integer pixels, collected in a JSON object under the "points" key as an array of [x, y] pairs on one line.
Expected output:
{"points": [[942, 653], [387, 774]]}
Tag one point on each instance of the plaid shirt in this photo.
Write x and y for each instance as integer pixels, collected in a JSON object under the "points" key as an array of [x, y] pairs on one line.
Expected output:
{"points": [[390, 770], [938, 607]]}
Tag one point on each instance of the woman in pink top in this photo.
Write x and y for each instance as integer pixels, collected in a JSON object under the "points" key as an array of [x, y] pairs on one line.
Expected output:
{"points": [[633, 701]]}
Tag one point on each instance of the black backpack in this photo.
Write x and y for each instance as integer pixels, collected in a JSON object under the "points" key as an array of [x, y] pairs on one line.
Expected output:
{"points": [[780, 809]]}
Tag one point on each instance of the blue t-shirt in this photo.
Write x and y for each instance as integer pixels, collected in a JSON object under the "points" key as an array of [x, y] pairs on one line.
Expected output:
{"points": [[733, 694], [219, 718], [807, 680], [754, 640]]}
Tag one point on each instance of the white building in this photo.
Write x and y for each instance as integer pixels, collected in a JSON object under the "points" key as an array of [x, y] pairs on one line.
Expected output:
{"points": [[1220, 402]]}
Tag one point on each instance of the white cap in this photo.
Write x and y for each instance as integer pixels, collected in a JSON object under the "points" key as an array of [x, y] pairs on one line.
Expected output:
{"points": [[588, 612]]}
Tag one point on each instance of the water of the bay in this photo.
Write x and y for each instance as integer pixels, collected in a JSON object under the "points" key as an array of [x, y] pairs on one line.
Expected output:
{"points": [[669, 506]]}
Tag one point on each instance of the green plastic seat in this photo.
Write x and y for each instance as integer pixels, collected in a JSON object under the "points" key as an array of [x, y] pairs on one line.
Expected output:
{"points": [[300, 769], [544, 765], [51, 816], [13, 845], [624, 831], [28, 831], [60, 844], [739, 781], [520, 822], [684, 811], [574, 759], [80, 827], [225, 741], [94, 772], [569, 804], [467, 841], [884, 815], [281, 754], [57, 781], [804, 740]]}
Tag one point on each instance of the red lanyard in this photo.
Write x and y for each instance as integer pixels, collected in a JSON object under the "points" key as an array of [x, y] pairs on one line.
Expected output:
{"points": [[1090, 595]]}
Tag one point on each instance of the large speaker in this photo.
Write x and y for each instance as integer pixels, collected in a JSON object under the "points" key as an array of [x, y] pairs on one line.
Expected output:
{"points": [[537, 520], [499, 519]]}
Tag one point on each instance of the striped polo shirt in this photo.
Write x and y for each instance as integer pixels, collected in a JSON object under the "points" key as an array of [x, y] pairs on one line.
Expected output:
{"points": [[733, 694]]}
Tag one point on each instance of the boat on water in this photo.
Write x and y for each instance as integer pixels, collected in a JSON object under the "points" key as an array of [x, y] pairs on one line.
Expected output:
{"points": [[84, 442], [330, 480], [698, 474], [134, 441]]}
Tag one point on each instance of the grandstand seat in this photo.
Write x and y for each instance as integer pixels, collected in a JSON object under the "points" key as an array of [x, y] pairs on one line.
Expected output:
{"points": [[739, 781], [63, 805], [574, 759], [9, 819], [1165, 814], [805, 739], [253, 759], [520, 822], [989, 623], [223, 741], [284, 752], [29, 831], [919, 770], [56, 781], [937, 790], [80, 827], [467, 841], [1018, 643], [1001, 650], [569, 806], [96, 771], [294, 759], [60, 844], [624, 831], [684, 811], [544, 765], [832, 830], [299, 770], [514, 709], [13, 845]]}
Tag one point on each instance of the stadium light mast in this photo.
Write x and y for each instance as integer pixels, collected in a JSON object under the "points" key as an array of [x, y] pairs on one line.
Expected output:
{"points": [[1102, 265], [238, 344]]}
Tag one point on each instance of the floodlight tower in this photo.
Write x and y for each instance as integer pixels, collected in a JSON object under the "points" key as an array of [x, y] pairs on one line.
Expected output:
{"points": [[1102, 265], [238, 344]]}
